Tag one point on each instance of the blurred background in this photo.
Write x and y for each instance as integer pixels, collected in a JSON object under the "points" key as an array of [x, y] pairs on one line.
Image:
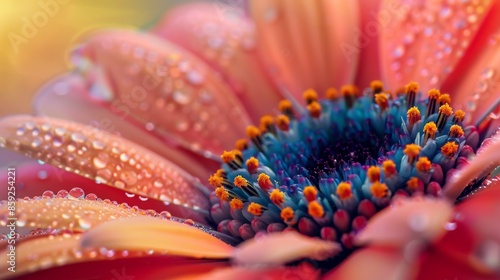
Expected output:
{"points": [[37, 35]]}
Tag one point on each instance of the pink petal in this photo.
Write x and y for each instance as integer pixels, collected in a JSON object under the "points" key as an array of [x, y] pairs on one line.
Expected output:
{"points": [[475, 82], [423, 40], [219, 34], [67, 97], [307, 45], [374, 263], [486, 160], [101, 156], [283, 247], [166, 88], [34, 179], [417, 220], [146, 233]]}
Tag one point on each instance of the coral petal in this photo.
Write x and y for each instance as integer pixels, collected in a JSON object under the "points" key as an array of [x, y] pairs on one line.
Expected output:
{"points": [[67, 97], [423, 40], [303, 43], [165, 87], [241, 273], [100, 156], [416, 219], [280, 248], [219, 34], [373, 263], [163, 235]]}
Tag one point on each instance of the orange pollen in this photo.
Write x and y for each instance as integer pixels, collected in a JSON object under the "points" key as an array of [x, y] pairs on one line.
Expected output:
{"points": [[236, 204], [373, 173], [241, 144], [314, 109], [252, 164], [430, 128], [237, 153], [449, 149], [459, 115], [215, 180], [310, 95], [344, 190], [239, 181], [379, 190], [389, 168], [285, 105], [348, 90], [287, 214], [265, 122], [315, 209], [283, 122], [456, 131], [264, 181], [413, 115], [310, 193], [444, 99], [253, 131], [220, 172], [434, 93], [255, 209], [412, 150], [446, 110], [412, 86], [227, 157], [423, 165], [412, 183], [332, 94], [382, 100], [277, 197], [377, 86], [222, 193]]}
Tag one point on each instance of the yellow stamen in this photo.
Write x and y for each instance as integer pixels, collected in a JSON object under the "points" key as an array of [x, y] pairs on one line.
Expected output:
{"points": [[236, 204], [315, 209], [277, 197], [255, 209], [456, 131], [444, 99], [252, 164], [423, 165], [411, 94], [310, 96], [283, 122], [444, 112], [377, 86], [332, 94], [349, 92], [240, 182], [253, 132], [449, 149], [287, 214], [382, 100], [264, 181], [412, 151], [314, 109], [215, 180], [227, 157], [286, 108], [310, 193], [459, 116], [434, 95], [430, 130], [379, 190], [413, 115], [266, 123], [344, 190], [413, 184], [389, 168], [221, 173], [373, 174], [241, 144], [222, 193]]}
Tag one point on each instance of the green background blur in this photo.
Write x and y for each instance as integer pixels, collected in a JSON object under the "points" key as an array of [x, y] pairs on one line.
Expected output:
{"points": [[26, 63]]}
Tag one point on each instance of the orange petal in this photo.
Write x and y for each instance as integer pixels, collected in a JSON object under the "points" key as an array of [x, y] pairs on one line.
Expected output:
{"points": [[374, 263], [67, 97], [413, 220], [220, 35], [308, 44], [100, 156], [283, 247], [423, 40], [486, 160], [146, 233], [160, 85], [475, 82]]}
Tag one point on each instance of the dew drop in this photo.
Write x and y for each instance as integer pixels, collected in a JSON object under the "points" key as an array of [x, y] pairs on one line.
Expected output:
{"points": [[130, 195], [78, 137], [129, 177], [124, 157], [60, 131], [194, 77], [182, 125], [65, 216], [101, 160], [150, 126], [399, 51], [143, 198], [36, 142], [20, 131], [62, 193], [22, 219], [76, 193], [98, 145], [91, 196], [42, 175], [119, 184], [181, 97], [487, 73], [48, 194], [158, 184], [189, 222], [450, 226], [85, 221]]}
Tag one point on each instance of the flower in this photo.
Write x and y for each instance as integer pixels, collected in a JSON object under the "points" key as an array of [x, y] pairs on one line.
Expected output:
{"points": [[323, 167]]}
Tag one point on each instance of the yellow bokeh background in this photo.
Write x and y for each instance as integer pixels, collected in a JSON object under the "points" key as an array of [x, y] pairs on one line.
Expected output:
{"points": [[26, 63]]}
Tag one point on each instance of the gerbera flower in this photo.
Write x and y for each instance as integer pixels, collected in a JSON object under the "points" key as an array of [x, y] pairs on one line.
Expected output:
{"points": [[306, 193]]}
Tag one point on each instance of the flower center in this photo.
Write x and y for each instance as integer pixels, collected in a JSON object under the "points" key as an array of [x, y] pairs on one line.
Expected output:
{"points": [[326, 169]]}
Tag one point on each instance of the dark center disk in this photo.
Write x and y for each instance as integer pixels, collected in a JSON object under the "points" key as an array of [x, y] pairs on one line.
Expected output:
{"points": [[343, 150]]}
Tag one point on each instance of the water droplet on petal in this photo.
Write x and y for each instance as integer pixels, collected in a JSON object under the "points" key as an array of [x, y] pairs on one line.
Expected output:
{"points": [[143, 198], [85, 221], [150, 126], [62, 193], [21, 220], [91, 196], [181, 97], [129, 177], [399, 51], [450, 226], [101, 160], [194, 77], [42, 175], [49, 194], [130, 195], [76, 193]]}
